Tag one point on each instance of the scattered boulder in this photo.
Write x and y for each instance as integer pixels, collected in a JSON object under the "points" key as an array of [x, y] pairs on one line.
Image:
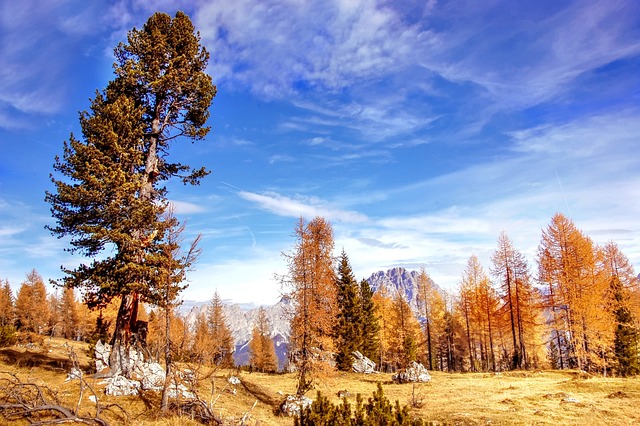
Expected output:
{"points": [[414, 373], [294, 404], [180, 391], [362, 364], [121, 386], [153, 376]]}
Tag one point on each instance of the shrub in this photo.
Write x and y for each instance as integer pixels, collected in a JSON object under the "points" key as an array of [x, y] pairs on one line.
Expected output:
{"points": [[8, 336], [377, 411]]}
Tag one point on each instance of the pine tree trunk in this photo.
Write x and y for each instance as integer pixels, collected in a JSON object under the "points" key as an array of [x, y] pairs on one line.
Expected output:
{"points": [[126, 326]]}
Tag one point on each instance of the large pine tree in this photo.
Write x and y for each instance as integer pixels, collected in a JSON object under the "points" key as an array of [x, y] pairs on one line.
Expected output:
{"points": [[111, 196]]}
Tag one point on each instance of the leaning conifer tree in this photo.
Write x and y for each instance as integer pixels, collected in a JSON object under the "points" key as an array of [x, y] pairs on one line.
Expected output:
{"points": [[111, 197]]}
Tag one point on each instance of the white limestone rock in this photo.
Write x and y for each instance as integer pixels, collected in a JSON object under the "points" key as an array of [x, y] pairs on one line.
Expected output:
{"points": [[121, 386], [362, 364], [414, 373]]}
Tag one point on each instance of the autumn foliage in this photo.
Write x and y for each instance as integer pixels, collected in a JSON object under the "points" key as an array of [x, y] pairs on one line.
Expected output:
{"points": [[579, 309]]}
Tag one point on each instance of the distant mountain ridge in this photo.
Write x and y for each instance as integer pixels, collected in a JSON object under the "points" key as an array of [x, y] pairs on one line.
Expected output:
{"points": [[396, 280], [241, 322], [242, 317]]}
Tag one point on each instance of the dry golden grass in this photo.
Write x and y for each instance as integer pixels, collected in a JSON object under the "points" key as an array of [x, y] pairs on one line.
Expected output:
{"points": [[514, 398]]}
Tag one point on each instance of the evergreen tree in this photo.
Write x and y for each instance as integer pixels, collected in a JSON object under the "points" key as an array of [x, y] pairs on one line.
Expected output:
{"points": [[222, 345], [112, 194], [621, 277], [6, 304], [101, 330], [377, 411], [626, 335], [369, 322], [349, 326]]}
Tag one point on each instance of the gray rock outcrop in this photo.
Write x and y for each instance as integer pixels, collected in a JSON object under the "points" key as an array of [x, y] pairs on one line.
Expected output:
{"points": [[414, 373], [142, 375]]}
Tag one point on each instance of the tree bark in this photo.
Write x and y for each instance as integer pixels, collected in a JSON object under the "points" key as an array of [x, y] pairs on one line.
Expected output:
{"points": [[126, 326]]}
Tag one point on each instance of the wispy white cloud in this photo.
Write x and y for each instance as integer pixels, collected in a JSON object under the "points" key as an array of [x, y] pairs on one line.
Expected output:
{"points": [[308, 207], [589, 137], [7, 231], [546, 53], [31, 75], [186, 207], [332, 44], [281, 158]]}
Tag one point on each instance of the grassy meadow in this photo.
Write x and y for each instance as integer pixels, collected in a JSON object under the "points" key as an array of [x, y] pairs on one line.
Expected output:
{"points": [[513, 398]]}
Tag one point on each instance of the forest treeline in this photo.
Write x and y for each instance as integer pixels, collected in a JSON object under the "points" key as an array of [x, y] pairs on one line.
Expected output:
{"points": [[577, 307]]}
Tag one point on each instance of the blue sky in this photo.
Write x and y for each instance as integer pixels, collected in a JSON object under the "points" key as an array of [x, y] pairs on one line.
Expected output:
{"points": [[420, 129]]}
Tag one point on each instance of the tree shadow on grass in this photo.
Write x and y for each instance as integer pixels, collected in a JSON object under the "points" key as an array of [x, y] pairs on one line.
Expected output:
{"points": [[29, 359]]}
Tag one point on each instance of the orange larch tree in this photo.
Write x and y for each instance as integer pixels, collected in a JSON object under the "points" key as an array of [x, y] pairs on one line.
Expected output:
{"points": [[425, 295], [512, 272], [262, 350], [310, 282], [577, 295]]}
